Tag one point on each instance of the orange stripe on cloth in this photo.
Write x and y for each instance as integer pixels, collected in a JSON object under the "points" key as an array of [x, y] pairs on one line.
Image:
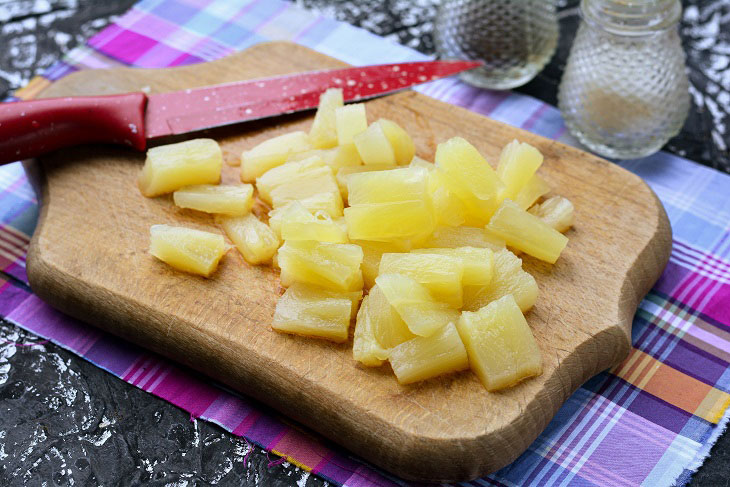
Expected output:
{"points": [[301, 449], [673, 386], [31, 90]]}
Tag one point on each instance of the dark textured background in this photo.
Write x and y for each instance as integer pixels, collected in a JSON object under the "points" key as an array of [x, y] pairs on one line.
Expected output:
{"points": [[64, 421]]}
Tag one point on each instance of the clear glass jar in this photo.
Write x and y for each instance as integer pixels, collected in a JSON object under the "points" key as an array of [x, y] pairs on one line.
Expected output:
{"points": [[624, 92], [514, 38]]}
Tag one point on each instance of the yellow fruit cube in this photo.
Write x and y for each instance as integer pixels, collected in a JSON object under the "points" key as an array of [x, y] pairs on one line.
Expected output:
{"points": [[502, 350], [316, 312], [527, 232], [478, 263], [293, 211], [447, 207], [336, 157], [173, 166], [299, 224], [291, 172], [271, 153], [373, 146], [556, 212], [320, 181], [372, 252], [350, 120], [470, 177], [388, 221], [330, 203], [517, 164], [402, 143], [425, 357], [412, 301], [187, 249], [454, 237], [389, 329], [323, 133], [535, 188], [256, 241], [221, 199], [507, 278], [344, 173], [365, 348], [329, 265], [418, 162], [441, 274], [404, 184]]}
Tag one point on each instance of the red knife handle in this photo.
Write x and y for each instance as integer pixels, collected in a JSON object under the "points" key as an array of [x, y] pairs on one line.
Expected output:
{"points": [[33, 128]]}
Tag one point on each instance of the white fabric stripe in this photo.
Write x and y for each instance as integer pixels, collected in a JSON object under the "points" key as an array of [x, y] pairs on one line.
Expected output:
{"points": [[702, 272], [12, 258], [19, 254], [17, 233], [714, 261]]}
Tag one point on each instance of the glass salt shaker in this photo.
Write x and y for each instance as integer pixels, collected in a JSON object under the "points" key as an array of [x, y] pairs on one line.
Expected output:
{"points": [[625, 92], [514, 38]]}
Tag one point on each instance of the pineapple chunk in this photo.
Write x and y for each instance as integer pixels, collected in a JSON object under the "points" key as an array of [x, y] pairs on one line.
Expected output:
{"points": [[320, 226], [418, 162], [319, 181], [271, 153], [373, 146], [535, 188], [173, 166], [386, 222], [330, 203], [350, 120], [389, 329], [312, 311], [336, 157], [225, 200], [447, 207], [470, 178], [344, 173], [365, 347], [507, 278], [402, 143], [329, 265], [186, 249], [293, 211], [323, 133], [502, 350], [517, 164], [402, 184], [557, 212], [256, 241], [372, 252], [425, 357], [454, 237], [441, 274], [422, 314], [527, 232], [291, 172], [478, 263]]}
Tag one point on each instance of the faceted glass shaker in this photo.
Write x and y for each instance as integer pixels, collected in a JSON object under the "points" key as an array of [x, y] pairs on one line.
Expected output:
{"points": [[624, 92], [514, 38]]}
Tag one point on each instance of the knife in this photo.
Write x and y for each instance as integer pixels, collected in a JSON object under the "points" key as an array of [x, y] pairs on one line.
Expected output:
{"points": [[33, 128]]}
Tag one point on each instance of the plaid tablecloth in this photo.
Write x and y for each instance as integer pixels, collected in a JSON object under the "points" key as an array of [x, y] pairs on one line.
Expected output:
{"points": [[651, 420]]}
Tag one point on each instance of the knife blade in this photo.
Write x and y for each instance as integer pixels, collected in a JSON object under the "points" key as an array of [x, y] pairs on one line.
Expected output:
{"points": [[32, 128]]}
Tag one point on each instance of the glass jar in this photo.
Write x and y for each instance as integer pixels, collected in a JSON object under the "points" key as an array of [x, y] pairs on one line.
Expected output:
{"points": [[624, 92], [514, 38]]}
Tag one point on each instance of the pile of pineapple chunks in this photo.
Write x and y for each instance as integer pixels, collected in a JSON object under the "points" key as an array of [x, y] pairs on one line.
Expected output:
{"points": [[354, 209]]}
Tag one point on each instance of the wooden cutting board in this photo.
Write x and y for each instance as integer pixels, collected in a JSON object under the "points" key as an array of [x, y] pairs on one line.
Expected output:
{"points": [[89, 258]]}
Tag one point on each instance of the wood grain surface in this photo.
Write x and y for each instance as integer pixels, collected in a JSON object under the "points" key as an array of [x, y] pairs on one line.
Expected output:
{"points": [[89, 258]]}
